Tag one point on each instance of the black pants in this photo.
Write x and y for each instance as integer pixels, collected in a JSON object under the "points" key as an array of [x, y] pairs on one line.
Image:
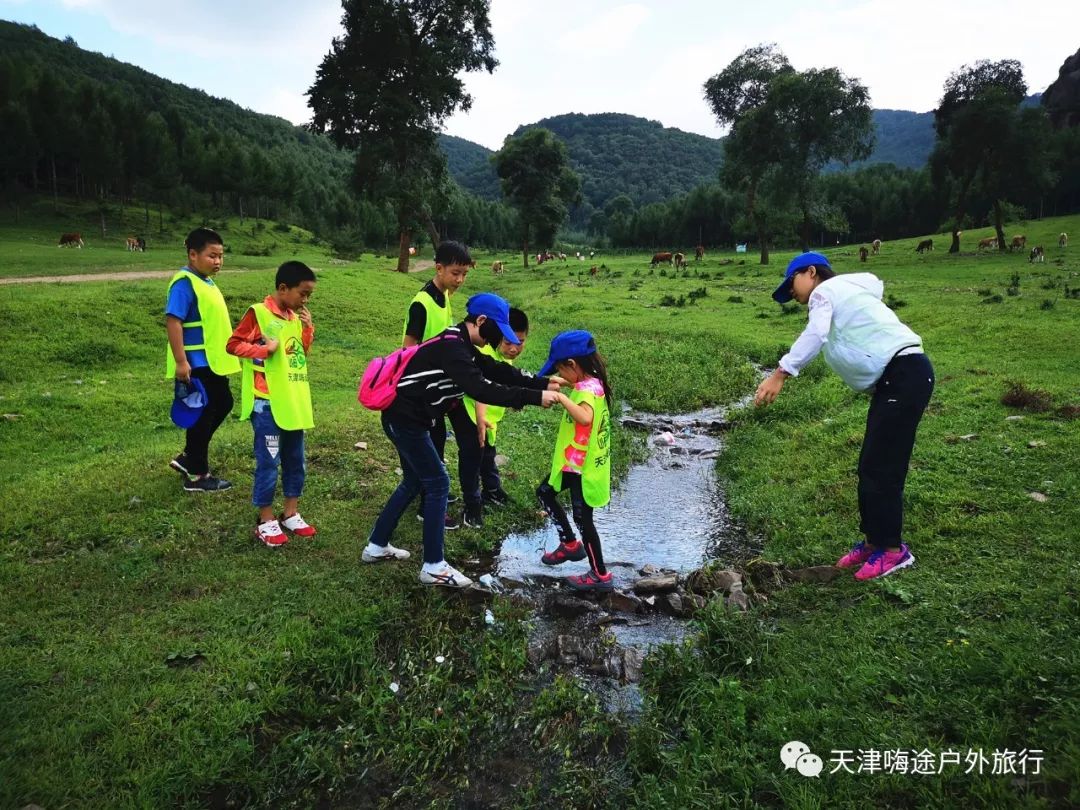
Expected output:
{"points": [[896, 407], [583, 517], [219, 402], [474, 461]]}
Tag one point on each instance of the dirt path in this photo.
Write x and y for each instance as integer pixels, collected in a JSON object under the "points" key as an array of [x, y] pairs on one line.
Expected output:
{"points": [[138, 275]]}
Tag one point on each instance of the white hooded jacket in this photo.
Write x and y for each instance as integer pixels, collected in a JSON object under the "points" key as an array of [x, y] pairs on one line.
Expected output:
{"points": [[857, 332]]}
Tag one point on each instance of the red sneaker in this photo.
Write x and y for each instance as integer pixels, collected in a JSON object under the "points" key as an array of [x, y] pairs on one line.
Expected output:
{"points": [[564, 552], [294, 524], [270, 534], [592, 581]]}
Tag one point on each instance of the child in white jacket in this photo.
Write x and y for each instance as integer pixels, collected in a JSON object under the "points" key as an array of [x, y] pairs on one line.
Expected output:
{"points": [[873, 352]]}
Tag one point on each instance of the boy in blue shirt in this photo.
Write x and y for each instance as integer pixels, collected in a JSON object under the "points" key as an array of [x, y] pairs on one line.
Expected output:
{"points": [[198, 327]]}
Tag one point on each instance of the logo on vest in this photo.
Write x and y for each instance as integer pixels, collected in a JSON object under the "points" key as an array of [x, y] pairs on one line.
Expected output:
{"points": [[294, 351]]}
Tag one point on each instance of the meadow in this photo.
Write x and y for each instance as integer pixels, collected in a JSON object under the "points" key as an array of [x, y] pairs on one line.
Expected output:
{"points": [[152, 654]]}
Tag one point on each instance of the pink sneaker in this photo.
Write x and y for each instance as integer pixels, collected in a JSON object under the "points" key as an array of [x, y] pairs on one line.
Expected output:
{"points": [[859, 554], [883, 563]]}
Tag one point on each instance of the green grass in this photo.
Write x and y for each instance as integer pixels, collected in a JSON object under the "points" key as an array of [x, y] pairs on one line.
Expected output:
{"points": [[151, 654]]}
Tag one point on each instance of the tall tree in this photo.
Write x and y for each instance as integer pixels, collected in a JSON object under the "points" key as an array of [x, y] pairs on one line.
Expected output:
{"points": [[538, 182], [979, 128], [387, 85]]}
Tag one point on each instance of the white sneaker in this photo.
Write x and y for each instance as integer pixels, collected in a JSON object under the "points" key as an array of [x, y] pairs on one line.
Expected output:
{"points": [[373, 553], [447, 576], [270, 534]]}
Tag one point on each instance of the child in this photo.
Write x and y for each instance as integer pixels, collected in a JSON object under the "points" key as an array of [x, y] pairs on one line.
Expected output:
{"points": [[867, 345], [580, 462], [274, 339], [198, 326], [430, 314], [475, 427], [437, 377]]}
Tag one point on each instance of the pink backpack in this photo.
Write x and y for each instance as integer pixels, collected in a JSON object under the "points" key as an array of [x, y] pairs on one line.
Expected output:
{"points": [[378, 384]]}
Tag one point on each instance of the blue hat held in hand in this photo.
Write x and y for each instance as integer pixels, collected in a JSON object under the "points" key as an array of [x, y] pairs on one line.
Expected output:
{"points": [[567, 345], [800, 262], [495, 308], [189, 399]]}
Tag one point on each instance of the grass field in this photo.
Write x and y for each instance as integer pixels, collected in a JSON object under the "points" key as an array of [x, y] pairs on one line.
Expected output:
{"points": [[152, 655]]}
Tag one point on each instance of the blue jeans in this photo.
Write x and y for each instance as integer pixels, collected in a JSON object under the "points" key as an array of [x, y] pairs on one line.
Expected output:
{"points": [[421, 468], [274, 446]]}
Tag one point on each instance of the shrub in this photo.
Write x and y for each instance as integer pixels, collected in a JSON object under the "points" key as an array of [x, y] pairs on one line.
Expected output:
{"points": [[1048, 303]]}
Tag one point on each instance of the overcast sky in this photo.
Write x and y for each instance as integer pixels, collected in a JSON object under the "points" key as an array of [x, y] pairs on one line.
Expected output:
{"points": [[646, 58]]}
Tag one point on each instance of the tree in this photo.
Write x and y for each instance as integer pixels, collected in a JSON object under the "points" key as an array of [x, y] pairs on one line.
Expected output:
{"points": [[385, 87], [538, 182], [983, 137]]}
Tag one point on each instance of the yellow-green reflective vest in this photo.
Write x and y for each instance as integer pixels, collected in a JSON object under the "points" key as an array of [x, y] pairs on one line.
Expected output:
{"points": [[495, 413], [286, 373], [438, 319], [596, 471], [216, 328]]}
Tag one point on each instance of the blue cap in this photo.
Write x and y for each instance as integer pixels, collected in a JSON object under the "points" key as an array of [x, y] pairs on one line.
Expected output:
{"points": [[189, 399], [495, 308], [800, 262], [565, 345]]}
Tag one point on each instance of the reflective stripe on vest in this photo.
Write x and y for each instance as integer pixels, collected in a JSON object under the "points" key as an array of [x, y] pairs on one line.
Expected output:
{"points": [[438, 319], [216, 326], [596, 470], [285, 371]]}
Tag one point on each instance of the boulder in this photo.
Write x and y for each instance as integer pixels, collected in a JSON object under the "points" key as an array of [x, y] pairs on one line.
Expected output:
{"points": [[661, 583], [738, 599], [565, 606], [621, 602], [707, 581]]}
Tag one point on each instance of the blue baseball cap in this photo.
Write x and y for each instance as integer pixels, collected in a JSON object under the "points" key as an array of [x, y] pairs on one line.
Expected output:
{"points": [[565, 345], [189, 399], [495, 308], [800, 262]]}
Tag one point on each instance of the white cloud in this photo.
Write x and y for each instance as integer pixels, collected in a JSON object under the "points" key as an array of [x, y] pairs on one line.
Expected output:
{"points": [[606, 33]]}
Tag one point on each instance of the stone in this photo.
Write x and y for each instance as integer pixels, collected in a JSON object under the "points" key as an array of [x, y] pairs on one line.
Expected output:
{"points": [[360, 446], [11, 417], [657, 584], [633, 659], [514, 584], [967, 437], [1013, 418], [566, 606], [765, 574], [672, 603], [1036, 443], [649, 570], [621, 602], [815, 573], [707, 581], [539, 651], [665, 439], [1038, 496], [738, 599], [501, 460], [692, 603]]}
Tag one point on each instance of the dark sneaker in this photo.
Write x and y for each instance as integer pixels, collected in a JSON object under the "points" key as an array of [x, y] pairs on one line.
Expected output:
{"points": [[496, 497], [206, 483], [572, 552], [474, 516], [449, 522], [180, 464], [452, 498], [592, 581]]}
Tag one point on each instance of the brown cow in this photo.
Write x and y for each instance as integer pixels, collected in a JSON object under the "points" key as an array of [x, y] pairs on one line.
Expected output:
{"points": [[1063, 240], [70, 240], [876, 245], [988, 242], [1037, 255], [593, 270], [863, 253], [660, 257], [496, 267], [680, 261], [1018, 243], [699, 253], [924, 245]]}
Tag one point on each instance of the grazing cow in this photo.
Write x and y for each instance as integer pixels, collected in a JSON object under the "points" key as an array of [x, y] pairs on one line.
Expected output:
{"points": [[70, 240], [141, 243], [132, 244], [924, 245], [876, 245], [1037, 255], [562, 257], [660, 257], [699, 253], [496, 267], [593, 270], [680, 261], [1063, 240], [863, 253], [1018, 243], [988, 242]]}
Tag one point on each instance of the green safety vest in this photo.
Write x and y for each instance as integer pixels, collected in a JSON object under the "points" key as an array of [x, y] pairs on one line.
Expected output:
{"points": [[596, 471], [495, 413], [286, 373], [438, 319], [216, 327]]}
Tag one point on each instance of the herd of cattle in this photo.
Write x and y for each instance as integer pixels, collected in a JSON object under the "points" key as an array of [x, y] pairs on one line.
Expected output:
{"points": [[74, 239]]}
